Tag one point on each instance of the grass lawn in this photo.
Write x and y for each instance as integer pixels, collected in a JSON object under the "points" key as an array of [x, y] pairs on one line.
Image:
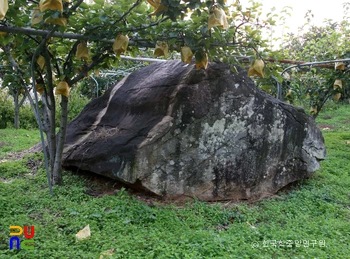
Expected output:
{"points": [[311, 220], [12, 140]]}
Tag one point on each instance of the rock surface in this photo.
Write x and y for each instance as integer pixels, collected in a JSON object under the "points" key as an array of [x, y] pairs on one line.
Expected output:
{"points": [[212, 134]]}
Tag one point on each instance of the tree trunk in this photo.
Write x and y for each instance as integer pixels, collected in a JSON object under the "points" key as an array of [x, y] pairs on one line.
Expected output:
{"points": [[32, 105], [61, 136], [92, 89], [51, 111], [18, 105], [47, 128], [16, 102], [52, 137]]}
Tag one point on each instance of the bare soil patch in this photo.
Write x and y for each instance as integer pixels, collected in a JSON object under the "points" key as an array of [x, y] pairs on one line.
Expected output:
{"points": [[347, 121], [21, 154], [2, 144], [326, 126], [98, 186]]}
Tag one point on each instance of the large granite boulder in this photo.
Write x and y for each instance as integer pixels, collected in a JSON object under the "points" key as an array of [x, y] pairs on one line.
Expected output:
{"points": [[212, 134]]}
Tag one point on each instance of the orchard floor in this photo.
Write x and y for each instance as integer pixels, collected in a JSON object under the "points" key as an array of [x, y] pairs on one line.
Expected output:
{"points": [[310, 219]]}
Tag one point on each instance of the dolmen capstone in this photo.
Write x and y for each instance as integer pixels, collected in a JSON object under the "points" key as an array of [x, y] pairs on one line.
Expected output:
{"points": [[176, 131]]}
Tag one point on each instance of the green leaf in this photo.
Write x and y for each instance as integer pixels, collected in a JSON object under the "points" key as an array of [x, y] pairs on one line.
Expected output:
{"points": [[266, 88], [209, 3], [103, 18], [84, 5], [100, 2], [56, 14], [96, 215]]}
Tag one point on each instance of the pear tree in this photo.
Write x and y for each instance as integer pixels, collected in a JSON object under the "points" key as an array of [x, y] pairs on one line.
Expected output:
{"points": [[57, 43]]}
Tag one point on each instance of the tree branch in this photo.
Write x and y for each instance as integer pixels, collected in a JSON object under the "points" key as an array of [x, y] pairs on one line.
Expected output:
{"points": [[74, 7], [129, 11], [145, 27], [74, 36], [83, 73], [68, 60], [22, 100]]}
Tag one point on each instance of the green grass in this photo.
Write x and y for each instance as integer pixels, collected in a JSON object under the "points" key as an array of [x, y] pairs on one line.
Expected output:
{"points": [[12, 140], [337, 117], [314, 210]]}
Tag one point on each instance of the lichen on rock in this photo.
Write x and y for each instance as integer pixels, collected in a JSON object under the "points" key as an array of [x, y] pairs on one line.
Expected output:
{"points": [[177, 132]]}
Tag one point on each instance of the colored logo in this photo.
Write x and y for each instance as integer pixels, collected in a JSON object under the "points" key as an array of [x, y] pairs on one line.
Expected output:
{"points": [[15, 241]]}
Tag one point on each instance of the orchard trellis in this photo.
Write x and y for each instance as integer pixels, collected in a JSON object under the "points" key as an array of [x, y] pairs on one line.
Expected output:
{"points": [[61, 27], [108, 28], [297, 65], [308, 64]]}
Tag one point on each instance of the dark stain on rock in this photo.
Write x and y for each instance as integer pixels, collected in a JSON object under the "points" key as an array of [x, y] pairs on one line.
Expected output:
{"points": [[229, 139]]}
